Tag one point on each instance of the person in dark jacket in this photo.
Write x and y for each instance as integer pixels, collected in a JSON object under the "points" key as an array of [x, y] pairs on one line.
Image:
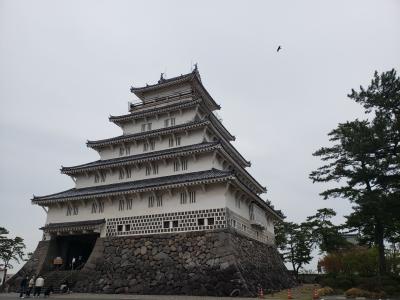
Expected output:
{"points": [[23, 285], [48, 291]]}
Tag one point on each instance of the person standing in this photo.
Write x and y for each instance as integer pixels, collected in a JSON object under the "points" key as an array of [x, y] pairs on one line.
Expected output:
{"points": [[30, 286], [23, 285], [39, 283]]}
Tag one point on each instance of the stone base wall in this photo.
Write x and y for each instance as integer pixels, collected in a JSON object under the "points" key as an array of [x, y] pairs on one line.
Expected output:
{"points": [[217, 263]]}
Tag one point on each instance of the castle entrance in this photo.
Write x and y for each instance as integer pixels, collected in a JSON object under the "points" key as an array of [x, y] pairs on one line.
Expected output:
{"points": [[74, 250]]}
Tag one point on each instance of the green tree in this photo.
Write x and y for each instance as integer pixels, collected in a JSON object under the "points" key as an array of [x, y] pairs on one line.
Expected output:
{"points": [[364, 161], [11, 249], [326, 235], [295, 243]]}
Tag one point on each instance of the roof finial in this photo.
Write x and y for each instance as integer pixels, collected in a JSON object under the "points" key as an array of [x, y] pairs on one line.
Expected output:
{"points": [[161, 78], [195, 67]]}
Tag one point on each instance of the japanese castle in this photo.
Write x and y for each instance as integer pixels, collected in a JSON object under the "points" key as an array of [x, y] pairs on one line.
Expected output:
{"points": [[172, 170]]}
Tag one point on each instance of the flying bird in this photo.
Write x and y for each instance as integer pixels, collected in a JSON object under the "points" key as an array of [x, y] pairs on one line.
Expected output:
{"points": [[279, 48]]}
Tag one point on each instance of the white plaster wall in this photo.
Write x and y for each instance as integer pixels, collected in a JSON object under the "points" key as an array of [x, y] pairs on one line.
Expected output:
{"points": [[212, 197], [185, 116], [194, 137], [202, 162]]}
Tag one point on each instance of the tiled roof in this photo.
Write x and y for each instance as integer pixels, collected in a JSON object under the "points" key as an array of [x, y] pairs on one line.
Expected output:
{"points": [[63, 225], [147, 134], [137, 186], [140, 157], [152, 111]]}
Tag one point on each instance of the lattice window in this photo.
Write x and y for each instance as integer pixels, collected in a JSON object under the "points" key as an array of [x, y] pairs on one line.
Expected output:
{"points": [[171, 142], [94, 207], [96, 178], [148, 170], [159, 201], [121, 204], [143, 127], [192, 197], [178, 141], [152, 145], [184, 164], [121, 174], [176, 165], [183, 198], [129, 204], [103, 177], [75, 210], [101, 206], [128, 172], [210, 221], [127, 150], [69, 210], [145, 146], [151, 201], [155, 168], [200, 221], [121, 151]]}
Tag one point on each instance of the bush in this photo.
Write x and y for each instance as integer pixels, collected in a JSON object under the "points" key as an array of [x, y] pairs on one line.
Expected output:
{"points": [[356, 292], [325, 291]]}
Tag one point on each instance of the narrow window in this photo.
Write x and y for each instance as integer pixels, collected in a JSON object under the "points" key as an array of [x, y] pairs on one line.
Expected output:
{"points": [[69, 210], [148, 170], [128, 150], [103, 177], [96, 178], [76, 210], [175, 223], [128, 173], [210, 221], [151, 201], [121, 205], [145, 146], [94, 207], [200, 222], [152, 145], [176, 166], [148, 126], [159, 201], [119, 228], [171, 142], [166, 224], [121, 174], [155, 168], [121, 151], [143, 127], [184, 164], [129, 204], [192, 197], [101, 206], [178, 141], [166, 122], [183, 198], [172, 121]]}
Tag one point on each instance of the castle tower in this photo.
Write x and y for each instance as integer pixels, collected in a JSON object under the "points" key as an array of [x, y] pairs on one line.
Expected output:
{"points": [[170, 193]]}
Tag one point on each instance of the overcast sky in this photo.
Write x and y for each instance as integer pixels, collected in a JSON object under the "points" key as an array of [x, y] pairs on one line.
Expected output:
{"points": [[65, 66]]}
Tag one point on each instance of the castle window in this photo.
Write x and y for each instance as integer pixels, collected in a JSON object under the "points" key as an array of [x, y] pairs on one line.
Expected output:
{"points": [[94, 207], [96, 178], [183, 198], [184, 164], [121, 174], [145, 146], [120, 228], [233, 223], [148, 126], [121, 205], [169, 122], [121, 151], [129, 204], [210, 221], [171, 142], [69, 210], [200, 222], [128, 172], [128, 150], [103, 177], [101, 206], [152, 145], [159, 201], [175, 223], [148, 170], [151, 201], [166, 224], [75, 210], [176, 165], [178, 141], [192, 197], [155, 168], [127, 227], [143, 127]]}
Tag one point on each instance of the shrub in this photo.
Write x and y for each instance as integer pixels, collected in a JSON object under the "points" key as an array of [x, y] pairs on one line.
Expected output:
{"points": [[325, 291], [356, 292]]}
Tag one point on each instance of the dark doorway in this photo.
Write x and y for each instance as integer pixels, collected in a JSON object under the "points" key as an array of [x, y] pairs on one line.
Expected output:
{"points": [[74, 248]]}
